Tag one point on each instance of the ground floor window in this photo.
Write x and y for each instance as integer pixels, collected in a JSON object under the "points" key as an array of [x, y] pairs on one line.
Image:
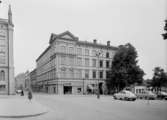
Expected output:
{"points": [[2, 87], [67, 89], [2, 75], [79, 90]]}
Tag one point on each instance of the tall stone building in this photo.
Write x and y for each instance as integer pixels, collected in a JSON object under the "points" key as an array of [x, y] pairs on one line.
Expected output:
{"points": [[7, 82], [70, 66]]}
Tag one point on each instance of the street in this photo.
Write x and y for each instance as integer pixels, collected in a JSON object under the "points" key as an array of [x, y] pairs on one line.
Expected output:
{"points": [[78, 107]]}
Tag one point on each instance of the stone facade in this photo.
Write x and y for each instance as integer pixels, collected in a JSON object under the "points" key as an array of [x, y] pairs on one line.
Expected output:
{"points": [[70, 66], [7, 82], [33, 80]]}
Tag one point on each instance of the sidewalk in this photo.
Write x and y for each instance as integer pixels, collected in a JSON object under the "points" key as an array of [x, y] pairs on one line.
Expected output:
{"points": [[19, 106]]}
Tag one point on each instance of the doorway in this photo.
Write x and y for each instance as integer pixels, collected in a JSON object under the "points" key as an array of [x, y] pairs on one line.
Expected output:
{"points": [[101, 88], [67, 89]]}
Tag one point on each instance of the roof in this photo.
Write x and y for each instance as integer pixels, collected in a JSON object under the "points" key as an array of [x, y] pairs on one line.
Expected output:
{"points": [[3, 20], [96, 45], [71, 37], [43, 52], [55, 36]]}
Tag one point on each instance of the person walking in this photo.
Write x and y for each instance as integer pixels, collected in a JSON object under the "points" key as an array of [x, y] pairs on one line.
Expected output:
{"points": [[22, 93], [29, 94]]}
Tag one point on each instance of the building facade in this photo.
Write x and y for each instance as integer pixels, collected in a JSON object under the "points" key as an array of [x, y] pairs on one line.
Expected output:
{"points": [[7, 82], [20, 81], [33, 80], [70, 66]]}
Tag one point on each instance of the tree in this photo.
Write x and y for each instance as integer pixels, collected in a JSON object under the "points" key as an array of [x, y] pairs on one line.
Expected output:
{"points": [[159, 79], [165, 28], [124, 71]]}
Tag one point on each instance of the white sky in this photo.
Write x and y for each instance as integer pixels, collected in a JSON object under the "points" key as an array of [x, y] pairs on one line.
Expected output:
{"points": [[139, 22]]}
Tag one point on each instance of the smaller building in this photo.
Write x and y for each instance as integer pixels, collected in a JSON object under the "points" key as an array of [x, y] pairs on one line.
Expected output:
{"points": [[20, 81], [33, 79], [27, 80]]}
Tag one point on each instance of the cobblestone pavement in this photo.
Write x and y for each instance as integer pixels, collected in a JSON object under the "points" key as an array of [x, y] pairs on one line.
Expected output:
{"points": [[71, 107]]}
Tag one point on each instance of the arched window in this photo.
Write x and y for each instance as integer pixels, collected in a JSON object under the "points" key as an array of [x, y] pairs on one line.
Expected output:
{"points": [[107, 55], [2, 75]]}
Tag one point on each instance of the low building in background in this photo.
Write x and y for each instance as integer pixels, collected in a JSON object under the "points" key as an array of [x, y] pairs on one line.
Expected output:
{"points": [[70, 66], [33, 79], [27, 80], [20, 81]]}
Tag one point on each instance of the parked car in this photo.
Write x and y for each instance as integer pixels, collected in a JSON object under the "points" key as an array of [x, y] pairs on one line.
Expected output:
{"points": [[146, 95], [162, 95], [18, 91], [125, 95]]}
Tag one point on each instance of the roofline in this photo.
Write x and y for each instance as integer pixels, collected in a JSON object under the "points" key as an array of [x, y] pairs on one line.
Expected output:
{"points": [[97, 45], [43, 52]]}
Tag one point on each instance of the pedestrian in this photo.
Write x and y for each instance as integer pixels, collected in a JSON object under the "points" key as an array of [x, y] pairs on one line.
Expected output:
{"points": [[29, 95], [22, 93]]}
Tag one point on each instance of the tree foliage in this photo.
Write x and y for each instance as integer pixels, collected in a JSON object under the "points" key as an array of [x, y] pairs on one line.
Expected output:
{"points": [[159, 78], [124, 71]]}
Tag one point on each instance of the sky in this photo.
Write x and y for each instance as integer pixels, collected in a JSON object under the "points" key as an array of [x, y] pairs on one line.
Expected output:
{"points": [[139, 22]]}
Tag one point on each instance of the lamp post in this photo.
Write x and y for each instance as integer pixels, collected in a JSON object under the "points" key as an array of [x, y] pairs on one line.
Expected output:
{"points": [[98, 91], [83, 86]]}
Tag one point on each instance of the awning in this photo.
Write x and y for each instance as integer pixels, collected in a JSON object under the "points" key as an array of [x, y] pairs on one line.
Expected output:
{"points": [[90, 86]]}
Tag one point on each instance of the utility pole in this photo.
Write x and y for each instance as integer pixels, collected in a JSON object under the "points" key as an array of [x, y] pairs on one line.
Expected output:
{"points": [[98, 65], [83, 86]]}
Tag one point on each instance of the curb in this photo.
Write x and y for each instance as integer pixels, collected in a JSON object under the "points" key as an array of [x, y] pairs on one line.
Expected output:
{"points": [[22, 116]]}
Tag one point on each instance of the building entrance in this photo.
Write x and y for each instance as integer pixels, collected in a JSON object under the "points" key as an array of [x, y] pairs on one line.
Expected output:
{"points": [[67, 89], [101, 88]]}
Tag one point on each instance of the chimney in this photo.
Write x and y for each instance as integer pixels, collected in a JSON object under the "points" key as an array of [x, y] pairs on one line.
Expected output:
{"points": [[94, 41], [108, 43]]}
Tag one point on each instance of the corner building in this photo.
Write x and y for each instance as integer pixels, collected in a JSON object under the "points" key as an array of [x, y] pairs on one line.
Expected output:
{"points": [[7, 82], [70, 66]]}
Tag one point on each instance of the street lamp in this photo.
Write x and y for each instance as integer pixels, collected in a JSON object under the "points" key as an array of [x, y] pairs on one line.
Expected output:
{"points": [[98, 55], [83, 86]]}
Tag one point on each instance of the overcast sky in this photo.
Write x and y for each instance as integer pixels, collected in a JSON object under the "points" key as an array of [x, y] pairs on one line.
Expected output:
{"points": [[139, 22]]}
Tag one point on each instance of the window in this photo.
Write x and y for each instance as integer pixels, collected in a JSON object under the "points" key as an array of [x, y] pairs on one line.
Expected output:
{"points": [[79, 51], [2, 75], [101, 63], [107, 64], [71, 73], [87, 62], [79, 90], [87, 52], [79, 61], [93, 52], [63, 49], [71, 61], [63, 60], [107, 55], [86, 73], [63, 72], [2, 87], [94, 74], [79, 73], [107, 74], [2, 56], [71, 50], [101, 74], [93, 62]]}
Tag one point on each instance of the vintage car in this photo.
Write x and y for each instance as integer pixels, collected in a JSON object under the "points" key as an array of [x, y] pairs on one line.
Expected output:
{"points": [[125, 95]]}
